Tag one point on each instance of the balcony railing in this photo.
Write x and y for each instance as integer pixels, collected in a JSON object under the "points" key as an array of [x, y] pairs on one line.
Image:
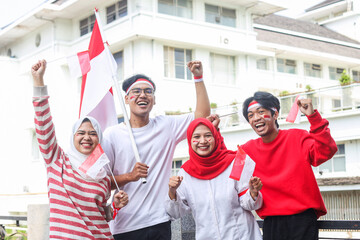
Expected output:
{"points": [[326, 100]]}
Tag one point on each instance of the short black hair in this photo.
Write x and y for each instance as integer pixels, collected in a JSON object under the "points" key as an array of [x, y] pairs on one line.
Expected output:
{"points": [[266, 100], [129, 81]]}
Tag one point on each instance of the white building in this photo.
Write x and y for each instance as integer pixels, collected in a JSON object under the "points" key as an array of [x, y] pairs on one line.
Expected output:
{"points": [[157, 37]]}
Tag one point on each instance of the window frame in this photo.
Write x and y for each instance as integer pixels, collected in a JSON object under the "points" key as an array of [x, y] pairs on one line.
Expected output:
{"points": [[311, 70], [264, 62], [118, 11], [88, 26], [220, 17], [334, 73], [341, 153], [289, 66], [176, 166], [172, 65], [357, 74], [177, 9], [119, 59], [230, 73]]}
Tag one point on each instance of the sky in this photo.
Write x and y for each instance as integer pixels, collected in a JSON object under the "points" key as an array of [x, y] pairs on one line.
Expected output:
{"points": [[296, 7], [14, 9]]}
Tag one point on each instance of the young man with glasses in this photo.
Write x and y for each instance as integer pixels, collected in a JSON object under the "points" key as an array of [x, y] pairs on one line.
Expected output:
{"points": [[145, 218]]}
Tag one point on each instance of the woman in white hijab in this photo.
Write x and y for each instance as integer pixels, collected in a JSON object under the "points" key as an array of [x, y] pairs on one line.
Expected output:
{"points": [[77, 199]]}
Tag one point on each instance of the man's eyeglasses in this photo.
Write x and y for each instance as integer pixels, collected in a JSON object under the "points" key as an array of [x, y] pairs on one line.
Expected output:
{"points": [[147, 91]]}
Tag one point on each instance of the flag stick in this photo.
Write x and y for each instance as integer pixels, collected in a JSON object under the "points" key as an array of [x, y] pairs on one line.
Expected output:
{"points": [[127, 122], [122, 104], [117, 186]]}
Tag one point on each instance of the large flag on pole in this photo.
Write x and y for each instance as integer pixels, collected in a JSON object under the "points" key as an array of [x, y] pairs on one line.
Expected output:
{"points": [[104, 56], [96, 94]]}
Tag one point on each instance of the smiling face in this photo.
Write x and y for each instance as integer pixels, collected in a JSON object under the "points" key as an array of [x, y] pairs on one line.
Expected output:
{"points": [[202, 141], [263, 122], [86, 138], [142, 104]]}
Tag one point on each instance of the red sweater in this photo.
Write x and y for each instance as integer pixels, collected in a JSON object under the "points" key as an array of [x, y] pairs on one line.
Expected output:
{"points": [[284, 166]]}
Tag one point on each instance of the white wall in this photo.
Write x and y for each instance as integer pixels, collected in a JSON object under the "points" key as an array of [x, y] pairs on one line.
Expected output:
{"points": [[348, 26]]}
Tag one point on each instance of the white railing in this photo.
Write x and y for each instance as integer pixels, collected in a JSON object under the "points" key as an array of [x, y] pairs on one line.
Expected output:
{"points": [[326, 100]]}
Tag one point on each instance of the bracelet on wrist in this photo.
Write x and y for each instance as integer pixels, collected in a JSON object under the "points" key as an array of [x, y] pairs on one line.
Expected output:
{"points": [[116, 210], [198, 78]]}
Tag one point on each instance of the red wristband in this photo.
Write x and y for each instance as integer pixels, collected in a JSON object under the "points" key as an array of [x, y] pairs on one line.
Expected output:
{"points": [[116, 210], [198, 77]]}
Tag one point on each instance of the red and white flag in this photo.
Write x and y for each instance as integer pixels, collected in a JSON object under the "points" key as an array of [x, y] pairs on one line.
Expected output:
{"points": [[294, 114], [242, 170], [94, 163], [79, 64], [97, 67]]}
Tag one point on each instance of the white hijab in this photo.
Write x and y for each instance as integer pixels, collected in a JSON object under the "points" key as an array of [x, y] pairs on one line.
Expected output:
{"points": [[75, 157]]}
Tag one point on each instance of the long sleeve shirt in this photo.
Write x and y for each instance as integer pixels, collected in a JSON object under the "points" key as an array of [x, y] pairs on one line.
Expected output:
{"points": [[218, 211], [284, 166], [76, 205]]}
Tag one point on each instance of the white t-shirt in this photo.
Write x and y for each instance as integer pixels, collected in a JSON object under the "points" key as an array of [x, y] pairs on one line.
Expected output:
{"points": [[218, 211], [156, 144]]}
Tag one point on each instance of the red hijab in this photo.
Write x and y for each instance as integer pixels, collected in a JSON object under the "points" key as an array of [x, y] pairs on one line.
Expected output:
{"points": [[210, 166]]}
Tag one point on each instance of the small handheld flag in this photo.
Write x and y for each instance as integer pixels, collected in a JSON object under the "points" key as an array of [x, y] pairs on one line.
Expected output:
{"points": [[238, 164], [295, 114], [94, 163], [243, 169]]}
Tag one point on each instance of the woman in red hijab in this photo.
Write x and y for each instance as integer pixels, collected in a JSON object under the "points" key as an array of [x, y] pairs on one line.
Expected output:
{"points": [[220, 207]]}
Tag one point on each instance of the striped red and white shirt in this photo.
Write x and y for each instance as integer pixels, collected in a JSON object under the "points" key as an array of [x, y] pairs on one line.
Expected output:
{"points": [[76, 205]]}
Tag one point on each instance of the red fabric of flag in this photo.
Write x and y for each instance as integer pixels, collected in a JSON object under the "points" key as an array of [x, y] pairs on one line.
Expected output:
{"points": [[96, 98], [294, 114], [238, 164]]}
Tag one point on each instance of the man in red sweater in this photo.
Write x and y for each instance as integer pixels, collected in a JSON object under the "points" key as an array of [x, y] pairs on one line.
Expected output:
{"points": [[292, 199]]}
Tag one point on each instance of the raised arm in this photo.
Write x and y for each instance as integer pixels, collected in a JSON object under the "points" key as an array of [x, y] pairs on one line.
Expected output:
{"points": [[37, 72], [202, 99], [45, 131], [320, 144]]}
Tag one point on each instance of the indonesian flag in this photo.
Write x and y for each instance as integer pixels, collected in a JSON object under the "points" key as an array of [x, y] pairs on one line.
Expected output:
{"points": [[294, 114], [94, 163], [79, 64], [242, 170], [97, 67]]}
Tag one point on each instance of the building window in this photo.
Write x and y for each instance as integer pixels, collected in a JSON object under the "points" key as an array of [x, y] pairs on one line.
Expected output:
{"points": [[223, 68], [116, 11], [356, 76], [175, 60], [335, 73], [176, 165], [87, 24], [336, 164], [118, 56], [262, 64], [286, 65], [312, 70], [180, 8], [220, 15], [336, 104]]}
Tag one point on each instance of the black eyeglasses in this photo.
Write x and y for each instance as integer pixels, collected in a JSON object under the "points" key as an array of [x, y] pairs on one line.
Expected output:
{"points": [[147, 91]]}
